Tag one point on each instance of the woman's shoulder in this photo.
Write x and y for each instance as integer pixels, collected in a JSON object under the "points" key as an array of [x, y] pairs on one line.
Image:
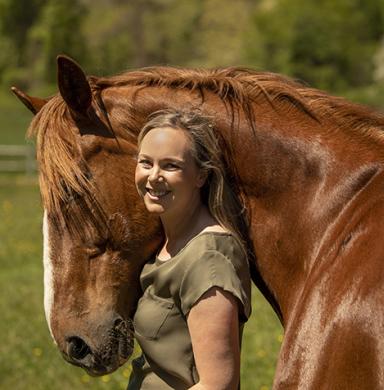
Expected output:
{"points": [[212, 240], [210, 244], [214, 259]]}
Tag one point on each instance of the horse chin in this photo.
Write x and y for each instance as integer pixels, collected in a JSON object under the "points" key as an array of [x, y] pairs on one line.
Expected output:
{"points": [[99, 370]]}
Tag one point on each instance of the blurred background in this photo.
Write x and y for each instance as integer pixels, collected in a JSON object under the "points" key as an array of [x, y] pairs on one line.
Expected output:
{"points": [[335, 45]]}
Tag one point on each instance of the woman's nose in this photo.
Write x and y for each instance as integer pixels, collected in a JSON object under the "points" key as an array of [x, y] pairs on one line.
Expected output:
{"points": [[155, 175]]}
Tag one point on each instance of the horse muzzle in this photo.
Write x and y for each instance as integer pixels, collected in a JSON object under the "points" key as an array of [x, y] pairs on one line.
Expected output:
{"points": [[110, 354]]}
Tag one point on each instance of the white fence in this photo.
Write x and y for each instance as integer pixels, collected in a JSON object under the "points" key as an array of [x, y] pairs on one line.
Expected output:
{"points": [[17, 158]]}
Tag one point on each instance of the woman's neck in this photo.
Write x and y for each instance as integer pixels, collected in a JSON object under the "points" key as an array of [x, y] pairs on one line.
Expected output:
{"points": [[183, 227], [181, 223]]}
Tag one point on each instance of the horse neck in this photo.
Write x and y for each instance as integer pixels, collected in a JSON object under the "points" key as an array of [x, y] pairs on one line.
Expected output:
{"points": [[296, 175], [297, 180]]}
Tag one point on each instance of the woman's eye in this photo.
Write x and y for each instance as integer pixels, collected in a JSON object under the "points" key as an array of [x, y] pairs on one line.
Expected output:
{"points": [[171, 166], [145, 163]]}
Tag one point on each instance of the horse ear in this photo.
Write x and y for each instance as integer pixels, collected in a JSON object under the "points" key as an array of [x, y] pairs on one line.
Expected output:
{"points": [[73, 84], [34, 104]]}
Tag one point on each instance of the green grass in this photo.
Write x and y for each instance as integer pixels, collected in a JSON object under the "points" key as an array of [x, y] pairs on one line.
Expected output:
{"points": [[15, 119], [28, 358]]}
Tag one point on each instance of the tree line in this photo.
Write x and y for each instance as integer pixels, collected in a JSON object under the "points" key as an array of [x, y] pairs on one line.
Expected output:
{"points": [[337, 45]]}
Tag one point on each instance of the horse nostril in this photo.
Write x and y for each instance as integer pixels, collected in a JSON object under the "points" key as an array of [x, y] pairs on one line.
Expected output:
{"points": [[77, 348], [117, 324]]}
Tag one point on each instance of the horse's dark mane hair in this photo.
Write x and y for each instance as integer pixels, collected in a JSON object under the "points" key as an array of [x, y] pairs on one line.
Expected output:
{"points": [[240, 88]]}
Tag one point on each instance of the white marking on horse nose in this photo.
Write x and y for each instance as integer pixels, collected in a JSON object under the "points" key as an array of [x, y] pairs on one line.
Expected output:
{"points": [[48, 273]]}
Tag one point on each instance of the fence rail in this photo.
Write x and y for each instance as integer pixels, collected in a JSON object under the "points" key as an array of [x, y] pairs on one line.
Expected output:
{"points": [[17, 158]]}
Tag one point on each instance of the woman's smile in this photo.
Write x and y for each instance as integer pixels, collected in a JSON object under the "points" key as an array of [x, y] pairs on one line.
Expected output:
{"points": [[157, 194]]}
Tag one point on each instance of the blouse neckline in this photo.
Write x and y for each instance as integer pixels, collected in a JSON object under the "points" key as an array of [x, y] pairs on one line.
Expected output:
{"points": [[203, 233]]}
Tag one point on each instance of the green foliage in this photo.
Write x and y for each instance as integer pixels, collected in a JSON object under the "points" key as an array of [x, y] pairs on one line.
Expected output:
{"points": [[379, 64], [109, 45], [329, 44], [269, 37], [8, 57], [219, 31], [15, 23], [168, 32], [58, 30]]}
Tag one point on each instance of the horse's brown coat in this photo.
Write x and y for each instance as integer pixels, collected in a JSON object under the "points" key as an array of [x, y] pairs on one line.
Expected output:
{"points": [[310, 170]]}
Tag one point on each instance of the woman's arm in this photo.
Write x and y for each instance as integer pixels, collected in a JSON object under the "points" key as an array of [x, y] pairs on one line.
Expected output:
{"points": [[214, 328]]}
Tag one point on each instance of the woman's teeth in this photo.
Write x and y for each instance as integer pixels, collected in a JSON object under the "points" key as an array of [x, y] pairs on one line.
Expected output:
{"points": [[157, 193]]}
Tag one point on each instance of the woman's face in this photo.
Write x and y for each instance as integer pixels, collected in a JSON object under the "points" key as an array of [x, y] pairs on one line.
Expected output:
{"points": [[166, 176]]}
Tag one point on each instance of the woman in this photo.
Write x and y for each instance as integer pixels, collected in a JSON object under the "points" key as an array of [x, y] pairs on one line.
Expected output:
{"points": [[197, 289]]}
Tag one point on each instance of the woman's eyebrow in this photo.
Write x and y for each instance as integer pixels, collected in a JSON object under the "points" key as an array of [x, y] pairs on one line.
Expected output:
{"points": [[144, 156], [164, 159], [174, 159]]}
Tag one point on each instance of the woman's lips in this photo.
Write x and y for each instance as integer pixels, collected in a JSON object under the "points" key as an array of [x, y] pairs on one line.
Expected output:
{"points": [[156, 194]]}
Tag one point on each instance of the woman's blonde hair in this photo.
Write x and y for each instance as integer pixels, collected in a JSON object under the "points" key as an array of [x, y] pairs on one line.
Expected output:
{"points": [[217, 194]]}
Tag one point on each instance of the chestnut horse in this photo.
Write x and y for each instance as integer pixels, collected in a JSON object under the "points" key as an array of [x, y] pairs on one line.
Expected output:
{"points": [[308, 168]]}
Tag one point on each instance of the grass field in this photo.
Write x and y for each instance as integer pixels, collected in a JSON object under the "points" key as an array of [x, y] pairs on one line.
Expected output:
{"points": [[28, 358], [14, 119]]}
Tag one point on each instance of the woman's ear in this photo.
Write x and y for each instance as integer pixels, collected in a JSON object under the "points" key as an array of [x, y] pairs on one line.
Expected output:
{"points": [[202, 178]]}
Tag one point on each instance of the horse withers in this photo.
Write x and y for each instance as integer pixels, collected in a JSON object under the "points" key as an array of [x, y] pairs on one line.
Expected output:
{"points": [[308, 168]]}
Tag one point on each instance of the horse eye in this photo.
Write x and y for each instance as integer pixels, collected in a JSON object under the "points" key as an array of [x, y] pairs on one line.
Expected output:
{"points": [[93, 252], [96, 249]]}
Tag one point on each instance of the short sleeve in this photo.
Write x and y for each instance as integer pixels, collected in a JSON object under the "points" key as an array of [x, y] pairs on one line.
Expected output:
{"points": [[213, 269]]}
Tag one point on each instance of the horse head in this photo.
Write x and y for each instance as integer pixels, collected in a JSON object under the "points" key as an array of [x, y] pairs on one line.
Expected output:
{"points": [[97, 234]]}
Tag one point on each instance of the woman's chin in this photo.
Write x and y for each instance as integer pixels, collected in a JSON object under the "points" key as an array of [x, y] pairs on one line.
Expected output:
{"points": [[155, 208]]}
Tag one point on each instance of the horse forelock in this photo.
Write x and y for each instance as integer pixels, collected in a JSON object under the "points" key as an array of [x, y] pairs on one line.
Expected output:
{"points": [[63, 174]]}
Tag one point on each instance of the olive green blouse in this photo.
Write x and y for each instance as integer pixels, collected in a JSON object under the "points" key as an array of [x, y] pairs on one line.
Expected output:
{"points": [[171, 288]]}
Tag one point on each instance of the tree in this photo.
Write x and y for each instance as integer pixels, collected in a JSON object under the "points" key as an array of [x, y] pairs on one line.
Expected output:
{"points": [[379, 64], [220, 32], [15, 23], [328, 43], [58, 30]]}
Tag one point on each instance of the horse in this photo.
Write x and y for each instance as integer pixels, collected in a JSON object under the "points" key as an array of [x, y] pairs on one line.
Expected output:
{"points": [[308, 168]]}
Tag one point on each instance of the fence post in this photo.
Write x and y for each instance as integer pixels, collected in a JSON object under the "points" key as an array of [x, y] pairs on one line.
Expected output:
{"points": [[17, 158], [30, 160]]}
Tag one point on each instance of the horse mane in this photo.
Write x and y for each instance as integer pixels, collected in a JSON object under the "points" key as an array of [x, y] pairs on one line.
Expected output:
{"points": [[242, 87], [63, 174]]}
